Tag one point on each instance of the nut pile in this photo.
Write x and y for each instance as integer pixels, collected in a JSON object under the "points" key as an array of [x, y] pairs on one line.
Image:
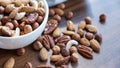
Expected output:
{"points": [[65, 45], [19, 17]]}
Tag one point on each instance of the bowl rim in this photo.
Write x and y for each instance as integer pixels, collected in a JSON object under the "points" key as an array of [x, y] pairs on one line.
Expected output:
{"points": [[45, 17]]}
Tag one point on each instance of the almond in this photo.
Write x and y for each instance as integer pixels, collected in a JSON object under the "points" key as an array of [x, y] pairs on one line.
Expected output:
{"points": [[57, 32], [91, 28], [68, 32], [95, 45], [43, 54], [9, 63], [55, 58], [81, 25], [59, 11], [85, 42], [70, 25]]}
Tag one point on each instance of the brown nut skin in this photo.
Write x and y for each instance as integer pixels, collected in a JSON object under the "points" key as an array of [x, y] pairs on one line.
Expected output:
{"points": [[102, 18], [9, 8], [85, 51], [64, 52], [15, 23], [74, 57], [85, 42], [28, 65], [69, 15], [27, 29], [57, 17], [81, 32], [41, 11], [73, 49], [5, 31], [76, 37], [2, 9], [21, 51], [37, 45], [56, 50], [59, 11], [88, 20], [10, 25], [40, 19], [51, 12], [89, 35], [98, 37], [35, 25], [32, 17], [61, 6], [5, 19]]}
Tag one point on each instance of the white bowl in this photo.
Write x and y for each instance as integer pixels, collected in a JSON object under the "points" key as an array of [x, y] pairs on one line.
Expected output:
{"points": [[24, 40]]}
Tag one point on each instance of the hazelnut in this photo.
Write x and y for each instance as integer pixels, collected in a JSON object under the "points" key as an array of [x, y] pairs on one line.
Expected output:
{"points": [[56, 50], [89, 35], [69, 15], [35, 25], [2, 9], [51, 12], [98, 37], [37, 45], [20, 51], [88, 20], [61, 6], [40, 19], [73, 49], [64, 52], [10, 25], [27, 29], [102, 18], [57, 17], [74, 57]]}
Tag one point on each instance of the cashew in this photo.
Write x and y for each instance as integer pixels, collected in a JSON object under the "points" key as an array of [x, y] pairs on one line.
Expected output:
{"points": [[1, 16], [70, 43], [17, 32], [34, 4], [20, 15]]}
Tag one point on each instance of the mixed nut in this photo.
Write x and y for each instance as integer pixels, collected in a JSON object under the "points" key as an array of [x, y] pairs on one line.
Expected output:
{"points": [[65, 45], [19, 17]]}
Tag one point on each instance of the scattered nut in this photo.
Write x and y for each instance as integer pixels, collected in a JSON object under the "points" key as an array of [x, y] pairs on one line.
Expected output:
{"points": [[59, 11], [68, 33], [65, 52], [57, 32], [21, 51], [73, 49], [81, 25], [89, 35], [57, 17], [70, 25], [43, 54], [95, 45], [61, 6], [68, 15], [55, 58], [74, 57], [76, 37], [56, 50], [9, 63], [37, 45], [85, 42], [28, 65], [98, 37], [88, 20], [102, 18], [91, 28], [81, 32], [51, 12]]}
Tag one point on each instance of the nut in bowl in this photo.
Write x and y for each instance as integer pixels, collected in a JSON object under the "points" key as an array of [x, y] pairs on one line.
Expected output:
{"points": [[21, 25]]}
